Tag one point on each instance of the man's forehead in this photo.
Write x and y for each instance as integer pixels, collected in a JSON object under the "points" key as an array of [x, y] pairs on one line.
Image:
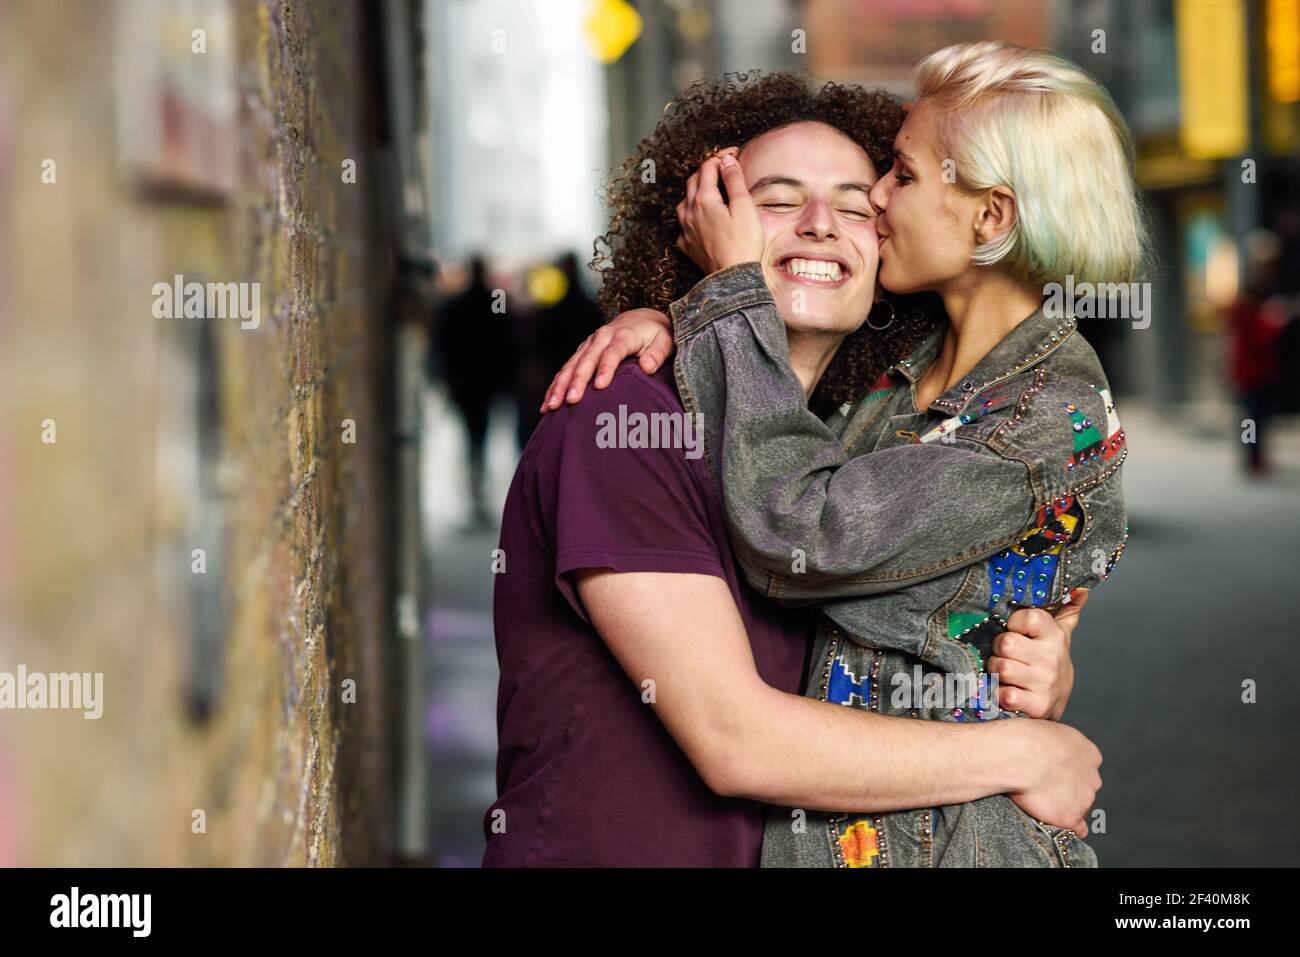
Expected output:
{"points": [[788, 158]]}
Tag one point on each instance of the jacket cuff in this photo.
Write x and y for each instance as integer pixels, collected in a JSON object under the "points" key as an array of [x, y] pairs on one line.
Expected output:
{"points": [[719, 294]]}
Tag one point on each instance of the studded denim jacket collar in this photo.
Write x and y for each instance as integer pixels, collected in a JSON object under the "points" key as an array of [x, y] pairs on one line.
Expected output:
{"points": [[1029, 343]]}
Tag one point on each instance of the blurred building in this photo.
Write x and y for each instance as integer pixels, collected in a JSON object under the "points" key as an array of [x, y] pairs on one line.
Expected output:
{"points": [[519, 132], [1211, 89], [199, 506]]}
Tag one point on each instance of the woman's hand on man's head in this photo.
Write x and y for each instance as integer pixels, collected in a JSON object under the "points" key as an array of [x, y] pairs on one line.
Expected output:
{"points": [[718, 233], [644, 332]]}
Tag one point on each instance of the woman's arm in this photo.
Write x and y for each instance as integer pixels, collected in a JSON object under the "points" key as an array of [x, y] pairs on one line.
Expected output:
{"points": [[808, 521]]}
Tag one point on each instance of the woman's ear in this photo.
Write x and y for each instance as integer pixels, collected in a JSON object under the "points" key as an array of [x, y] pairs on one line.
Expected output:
{"points": [[996, 215]]}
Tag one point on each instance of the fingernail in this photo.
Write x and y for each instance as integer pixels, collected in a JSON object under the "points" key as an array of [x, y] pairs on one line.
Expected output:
{"points": [[728, 160], [573, 394]]}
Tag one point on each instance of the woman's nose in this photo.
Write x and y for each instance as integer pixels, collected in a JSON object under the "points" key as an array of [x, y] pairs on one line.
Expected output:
{"points": [[878, 195]]}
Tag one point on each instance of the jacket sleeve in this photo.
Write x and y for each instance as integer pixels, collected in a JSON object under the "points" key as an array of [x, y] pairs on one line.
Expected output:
{"points": [[807, 522]]}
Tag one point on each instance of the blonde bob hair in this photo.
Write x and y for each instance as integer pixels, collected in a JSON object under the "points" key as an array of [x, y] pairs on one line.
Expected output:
{"points": [[1036, 123]]}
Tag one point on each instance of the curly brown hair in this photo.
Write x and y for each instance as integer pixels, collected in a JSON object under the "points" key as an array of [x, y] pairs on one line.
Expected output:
{"points": [[638, 259]]}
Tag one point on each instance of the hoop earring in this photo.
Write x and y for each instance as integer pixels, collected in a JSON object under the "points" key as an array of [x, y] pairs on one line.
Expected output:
{"points": [[887, 324]]}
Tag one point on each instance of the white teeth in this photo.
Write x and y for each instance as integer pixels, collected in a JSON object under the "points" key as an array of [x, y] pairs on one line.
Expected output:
{"points": [[814, 269]]}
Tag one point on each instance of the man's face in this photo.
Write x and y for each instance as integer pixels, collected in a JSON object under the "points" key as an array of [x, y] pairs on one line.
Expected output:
{"points": [[810, 184]]}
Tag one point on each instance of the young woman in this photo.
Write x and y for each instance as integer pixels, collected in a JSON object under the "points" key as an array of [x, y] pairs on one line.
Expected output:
{"points": [[993, 476]]}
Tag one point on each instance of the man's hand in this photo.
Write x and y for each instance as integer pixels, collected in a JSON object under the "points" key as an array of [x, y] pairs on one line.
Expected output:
{"points": [[1060, 767], [718, 234], [644, 332], [1032, 660]]}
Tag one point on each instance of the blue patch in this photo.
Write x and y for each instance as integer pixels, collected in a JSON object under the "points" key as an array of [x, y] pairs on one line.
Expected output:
{"points": [[1022, 579], [843, 687]]}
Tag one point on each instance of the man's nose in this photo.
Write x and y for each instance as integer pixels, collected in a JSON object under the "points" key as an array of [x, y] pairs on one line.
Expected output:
{"points": [[817, 222]]}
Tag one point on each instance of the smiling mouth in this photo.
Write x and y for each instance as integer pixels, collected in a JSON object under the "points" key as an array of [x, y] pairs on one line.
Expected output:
{"points": [[818, 272]]}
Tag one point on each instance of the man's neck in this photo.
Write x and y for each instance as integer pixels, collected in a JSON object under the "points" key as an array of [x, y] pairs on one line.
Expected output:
{"points": [[810, 354]]}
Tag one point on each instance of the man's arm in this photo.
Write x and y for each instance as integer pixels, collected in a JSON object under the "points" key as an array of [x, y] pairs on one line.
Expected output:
{"points": [[746, 739]]}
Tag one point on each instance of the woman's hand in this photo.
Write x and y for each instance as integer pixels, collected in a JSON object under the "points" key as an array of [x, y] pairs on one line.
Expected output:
{"points": [[644, 332], [1032, 660], [717, 234]]}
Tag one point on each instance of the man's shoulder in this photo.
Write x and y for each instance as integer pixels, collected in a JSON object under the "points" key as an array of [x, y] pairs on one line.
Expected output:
{"points": [[638, 412], [631, 389]]}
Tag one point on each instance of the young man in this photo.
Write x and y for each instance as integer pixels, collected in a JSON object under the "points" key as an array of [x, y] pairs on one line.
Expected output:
{"points": [[649, 699]]}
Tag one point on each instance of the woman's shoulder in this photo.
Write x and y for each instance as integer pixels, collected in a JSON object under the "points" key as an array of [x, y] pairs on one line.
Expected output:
{"points": [[1064, 420]]}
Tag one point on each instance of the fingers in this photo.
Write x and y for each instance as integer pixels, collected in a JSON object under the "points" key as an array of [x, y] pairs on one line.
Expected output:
{"points": [[1080, 828], [1068, 616], [692, 186], [622, 346], [655, 354], [1023, 650], [560, 383], [708, 192], [1022, 700], [737, 191], [1035, 623], [586, 368]]}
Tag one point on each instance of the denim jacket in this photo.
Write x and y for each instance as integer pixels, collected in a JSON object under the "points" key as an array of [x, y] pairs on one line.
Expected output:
{"points": [[1004, 493]]}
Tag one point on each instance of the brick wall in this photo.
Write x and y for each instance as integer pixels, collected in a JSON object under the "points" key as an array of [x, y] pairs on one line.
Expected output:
{"points": [[95, 554]]}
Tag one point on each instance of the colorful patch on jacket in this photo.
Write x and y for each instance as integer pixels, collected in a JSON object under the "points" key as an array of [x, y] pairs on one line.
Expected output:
{"points": [[1023, 573], [1089, 444], [977, 631], [844, 686], [1115, 437], [957, 421], [859, 845]]}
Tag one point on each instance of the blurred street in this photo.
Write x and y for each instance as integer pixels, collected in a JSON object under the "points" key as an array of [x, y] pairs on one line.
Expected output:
{"points": [[1160, 658]]}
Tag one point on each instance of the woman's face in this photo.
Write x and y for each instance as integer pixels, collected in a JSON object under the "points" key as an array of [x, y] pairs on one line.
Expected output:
{"points": [[926, 223], [810, 183]]}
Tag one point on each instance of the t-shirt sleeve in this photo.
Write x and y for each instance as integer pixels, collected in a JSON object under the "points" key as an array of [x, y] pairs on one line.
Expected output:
{"points": [[615, 503]]}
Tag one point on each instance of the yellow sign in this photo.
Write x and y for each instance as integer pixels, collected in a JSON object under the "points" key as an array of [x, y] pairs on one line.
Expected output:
{"points": [[1282, 39], [1212, 78], [611, 27]]}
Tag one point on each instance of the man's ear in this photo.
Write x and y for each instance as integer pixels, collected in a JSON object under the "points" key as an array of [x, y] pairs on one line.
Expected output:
{"points": [[996, 215]]}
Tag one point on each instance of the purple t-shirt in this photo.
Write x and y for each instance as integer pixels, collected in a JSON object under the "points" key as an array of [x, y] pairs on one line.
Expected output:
{"points": [[586, 772]]}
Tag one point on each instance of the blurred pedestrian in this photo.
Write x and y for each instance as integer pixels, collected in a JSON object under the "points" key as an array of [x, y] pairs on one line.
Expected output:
{"points": [[1257, 318], [474, 345], [552, 333]]}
